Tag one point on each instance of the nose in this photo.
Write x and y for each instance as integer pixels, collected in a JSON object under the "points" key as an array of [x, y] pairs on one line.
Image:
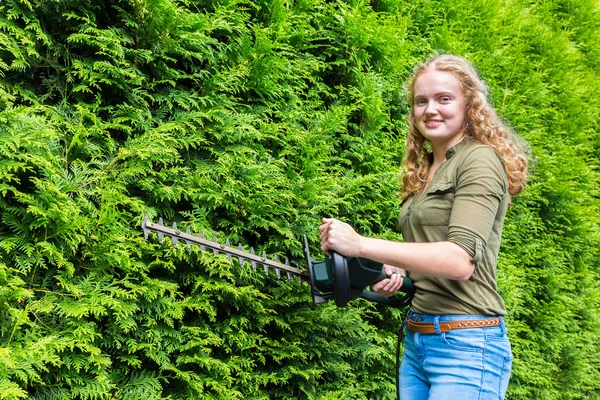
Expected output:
{"points": [[431, 108]]}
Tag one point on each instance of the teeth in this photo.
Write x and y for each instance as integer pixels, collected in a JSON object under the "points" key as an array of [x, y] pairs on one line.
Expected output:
{"points": [[215, 251], [240, 259], [266, 267], [160, 234], [175, 239], [144, 227], [203, 238], [252, 261], [289, 275], [228, 245], [189, 244], [277, 272]]}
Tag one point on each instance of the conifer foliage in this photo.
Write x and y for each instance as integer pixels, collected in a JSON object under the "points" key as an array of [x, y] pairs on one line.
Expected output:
{"points": [[251, 120]]}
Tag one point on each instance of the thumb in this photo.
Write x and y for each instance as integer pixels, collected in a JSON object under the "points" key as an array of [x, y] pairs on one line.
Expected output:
{"points": [[389, 270]]}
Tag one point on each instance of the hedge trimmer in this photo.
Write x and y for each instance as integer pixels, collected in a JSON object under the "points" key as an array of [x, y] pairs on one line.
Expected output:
{"points": [[336, 277]]}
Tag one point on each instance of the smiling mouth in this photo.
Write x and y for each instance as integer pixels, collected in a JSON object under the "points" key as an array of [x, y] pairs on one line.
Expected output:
{"points": [[432, 123]]}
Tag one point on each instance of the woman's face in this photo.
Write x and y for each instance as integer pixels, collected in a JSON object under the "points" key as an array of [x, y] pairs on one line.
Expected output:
{"points": [[439, 108]]}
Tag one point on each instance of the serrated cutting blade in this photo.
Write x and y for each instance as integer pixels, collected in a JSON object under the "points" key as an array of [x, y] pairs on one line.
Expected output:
{"points": [[242, 256]]}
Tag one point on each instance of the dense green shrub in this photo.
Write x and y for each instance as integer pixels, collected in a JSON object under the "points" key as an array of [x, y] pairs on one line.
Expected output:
{"points": [[252, 120]]}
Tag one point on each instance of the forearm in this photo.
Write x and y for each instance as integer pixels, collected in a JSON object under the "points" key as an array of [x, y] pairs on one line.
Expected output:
{"points": [[440, 259]]}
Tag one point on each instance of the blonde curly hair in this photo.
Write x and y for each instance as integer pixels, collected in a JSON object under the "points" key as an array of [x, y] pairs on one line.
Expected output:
{"points": [[482, 124]]}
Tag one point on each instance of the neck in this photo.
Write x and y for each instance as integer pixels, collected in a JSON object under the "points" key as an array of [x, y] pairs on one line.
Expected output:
{"points": [[440, 148]]}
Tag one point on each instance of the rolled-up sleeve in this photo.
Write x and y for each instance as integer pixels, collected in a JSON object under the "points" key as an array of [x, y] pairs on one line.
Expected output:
{"points": [[481, 187]]}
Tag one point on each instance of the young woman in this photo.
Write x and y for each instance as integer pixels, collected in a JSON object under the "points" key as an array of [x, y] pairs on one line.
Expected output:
{"points": [[461, 166]]}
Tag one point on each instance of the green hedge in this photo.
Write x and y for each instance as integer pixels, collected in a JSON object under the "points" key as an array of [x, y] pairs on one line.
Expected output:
{"points": [[251, 120]]}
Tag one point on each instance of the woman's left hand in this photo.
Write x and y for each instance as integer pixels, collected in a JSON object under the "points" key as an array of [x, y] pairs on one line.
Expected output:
{"points": [[340, 237], [389, 286]]}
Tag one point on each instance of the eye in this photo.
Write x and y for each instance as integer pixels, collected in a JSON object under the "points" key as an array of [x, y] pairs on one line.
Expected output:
{"points": [[445, 99], [420, 102]]}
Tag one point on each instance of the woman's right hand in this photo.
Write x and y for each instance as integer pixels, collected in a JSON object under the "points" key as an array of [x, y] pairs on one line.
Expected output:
{"points": [[340, 237], [389, 286]]}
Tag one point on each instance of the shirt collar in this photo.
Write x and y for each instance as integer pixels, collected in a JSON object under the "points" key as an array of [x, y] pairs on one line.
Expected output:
{"points": [[452, 150], [457, 147]]}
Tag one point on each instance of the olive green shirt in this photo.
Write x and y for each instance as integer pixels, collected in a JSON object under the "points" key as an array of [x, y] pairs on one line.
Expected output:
{"points": [[465, 203]]}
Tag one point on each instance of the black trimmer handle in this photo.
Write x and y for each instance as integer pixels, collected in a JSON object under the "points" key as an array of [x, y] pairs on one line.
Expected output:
{"points": [[408, 286], [394, 301], [362, 273], [341, 279]]}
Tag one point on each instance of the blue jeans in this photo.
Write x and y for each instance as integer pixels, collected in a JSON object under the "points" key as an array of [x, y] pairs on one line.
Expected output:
{"points": [[464, 364]]}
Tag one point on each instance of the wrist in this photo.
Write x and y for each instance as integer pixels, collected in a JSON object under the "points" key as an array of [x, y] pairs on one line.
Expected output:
{"points": [[362, 247]]}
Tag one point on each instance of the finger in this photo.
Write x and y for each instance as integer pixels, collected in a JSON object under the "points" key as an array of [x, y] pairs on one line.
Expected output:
{"points": [[325, 223], [378, 286], [324, 238], [323, 235], [386, 293], [324, 229], [324, 245], [325, 248], [400, 283], [393, 286], [389, 270], [389, 288]]}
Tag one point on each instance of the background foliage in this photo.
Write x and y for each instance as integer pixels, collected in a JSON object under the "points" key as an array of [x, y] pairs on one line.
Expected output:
{"points": [[251, 119]]}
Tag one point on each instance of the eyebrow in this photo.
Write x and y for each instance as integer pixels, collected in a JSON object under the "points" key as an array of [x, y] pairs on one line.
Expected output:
{"points": [[446, 93]]}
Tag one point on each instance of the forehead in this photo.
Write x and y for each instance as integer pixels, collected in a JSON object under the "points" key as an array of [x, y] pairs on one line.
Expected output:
{"points": [[433, 82]]}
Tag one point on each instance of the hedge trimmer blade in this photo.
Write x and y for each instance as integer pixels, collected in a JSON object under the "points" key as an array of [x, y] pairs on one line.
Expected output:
{"points": [[231, 252]]}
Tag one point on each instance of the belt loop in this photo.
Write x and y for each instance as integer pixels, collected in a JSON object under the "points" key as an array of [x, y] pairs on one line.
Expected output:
{"points": [[503, 326], [436, 325]]}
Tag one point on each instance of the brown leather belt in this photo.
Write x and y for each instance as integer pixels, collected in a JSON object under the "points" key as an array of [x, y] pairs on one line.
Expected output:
{"points": [[447, 326]]}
